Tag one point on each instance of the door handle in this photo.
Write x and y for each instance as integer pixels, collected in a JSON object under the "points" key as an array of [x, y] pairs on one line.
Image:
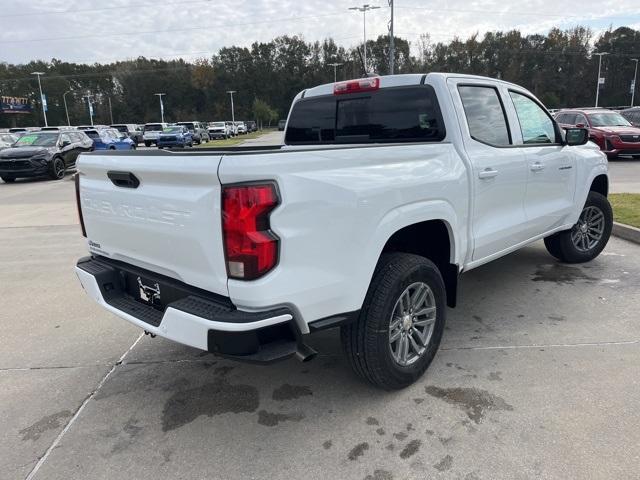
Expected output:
{"points": [[536, 167], [488, 173]]}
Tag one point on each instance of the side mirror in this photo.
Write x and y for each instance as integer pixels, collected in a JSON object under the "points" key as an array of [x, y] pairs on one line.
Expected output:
{"points": [[576, 136], [65, 143], [580, 125]]}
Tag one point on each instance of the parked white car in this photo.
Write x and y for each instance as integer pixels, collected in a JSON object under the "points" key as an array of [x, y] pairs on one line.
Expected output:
{"points": [[241, 127], [151, 132], [386, 190], [218, 130]]}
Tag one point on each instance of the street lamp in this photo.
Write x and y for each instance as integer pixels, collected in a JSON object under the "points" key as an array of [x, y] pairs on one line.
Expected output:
{"points": [[633, 85], [161, 106], [233, 115], [110, 110], [43, 100], [364, 9], [599, 69], [335, 66], [90, 106], [66, 110]]}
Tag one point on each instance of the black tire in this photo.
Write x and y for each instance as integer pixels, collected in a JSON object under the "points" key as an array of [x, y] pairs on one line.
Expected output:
{"points": [[562, 245], [366, 342], [147, 144], [56, 169], [8, 179]]}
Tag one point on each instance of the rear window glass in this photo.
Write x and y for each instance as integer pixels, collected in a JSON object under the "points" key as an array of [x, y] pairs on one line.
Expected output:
{"points": [[153, 128], [403, 114]]}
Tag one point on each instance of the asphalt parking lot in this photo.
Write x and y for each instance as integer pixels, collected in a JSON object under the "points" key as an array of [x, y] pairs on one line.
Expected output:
{"points": [[537, 378]]}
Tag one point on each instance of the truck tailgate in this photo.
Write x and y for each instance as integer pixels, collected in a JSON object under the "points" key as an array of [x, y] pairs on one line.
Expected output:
{"points": [[169, 224]]}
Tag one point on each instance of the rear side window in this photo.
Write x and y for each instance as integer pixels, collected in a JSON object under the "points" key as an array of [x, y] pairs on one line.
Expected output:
{"points": [[485, 115], [403, 114]]}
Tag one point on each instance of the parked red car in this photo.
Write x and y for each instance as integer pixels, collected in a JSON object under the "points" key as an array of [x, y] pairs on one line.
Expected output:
{"points": [[608, 129]]}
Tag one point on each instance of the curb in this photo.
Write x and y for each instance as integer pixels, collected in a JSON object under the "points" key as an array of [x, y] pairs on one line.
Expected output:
{"points": [[627, 232]]}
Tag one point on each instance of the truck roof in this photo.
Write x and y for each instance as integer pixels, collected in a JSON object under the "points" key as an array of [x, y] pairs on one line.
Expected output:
{"points": [[387, 81]]}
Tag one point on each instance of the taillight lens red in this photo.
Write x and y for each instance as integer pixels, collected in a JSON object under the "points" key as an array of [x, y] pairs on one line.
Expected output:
{"points": [[78, 204], [354, 86], [251, 249]]}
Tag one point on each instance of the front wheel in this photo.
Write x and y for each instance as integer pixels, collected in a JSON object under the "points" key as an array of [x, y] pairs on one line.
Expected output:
{"points": [[588, 237], [56, 169], [147, 144], [399, 329]]}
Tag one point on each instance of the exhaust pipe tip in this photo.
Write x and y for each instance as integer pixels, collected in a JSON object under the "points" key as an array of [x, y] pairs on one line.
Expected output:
{"points": [[305, 353]]}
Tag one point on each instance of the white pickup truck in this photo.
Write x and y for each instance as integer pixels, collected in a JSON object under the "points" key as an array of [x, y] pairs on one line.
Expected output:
{"points": [[386, 190]]}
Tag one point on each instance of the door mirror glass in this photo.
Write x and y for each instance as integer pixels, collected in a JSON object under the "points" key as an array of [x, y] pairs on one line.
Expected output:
{"points": [[577, 136]]}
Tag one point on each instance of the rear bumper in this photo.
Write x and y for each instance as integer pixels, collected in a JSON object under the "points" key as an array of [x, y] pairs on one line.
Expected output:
{"points": [[189, 316]]}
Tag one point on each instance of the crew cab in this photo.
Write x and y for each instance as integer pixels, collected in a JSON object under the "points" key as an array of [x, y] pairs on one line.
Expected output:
{"points": [[611, 131], [386, 190]]}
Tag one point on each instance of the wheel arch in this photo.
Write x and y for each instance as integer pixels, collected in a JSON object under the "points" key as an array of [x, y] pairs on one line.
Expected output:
{"points": [[432, 239], [600, 184]]}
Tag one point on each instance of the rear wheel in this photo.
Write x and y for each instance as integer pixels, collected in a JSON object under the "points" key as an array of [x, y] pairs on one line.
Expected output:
{"points": [[8, 179], [147, 144], [56, 169], [589, 235], [401, 322]]}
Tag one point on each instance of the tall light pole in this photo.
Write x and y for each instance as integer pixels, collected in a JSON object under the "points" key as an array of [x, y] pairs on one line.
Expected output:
{"points": [[110, 110], [88, 97], [335, 71], [233, 114], [633, 85], [392, 45], [161, 106], [599, 69], [43, 101], [364, 9], [66, 110]]}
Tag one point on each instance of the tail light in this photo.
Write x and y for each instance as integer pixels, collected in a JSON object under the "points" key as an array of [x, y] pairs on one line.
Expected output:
{"points": [[76, 179], [355, 86], [251, 248]]}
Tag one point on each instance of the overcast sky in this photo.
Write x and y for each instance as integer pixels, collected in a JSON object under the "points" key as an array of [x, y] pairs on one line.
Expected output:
{"points": [[99, 31]]}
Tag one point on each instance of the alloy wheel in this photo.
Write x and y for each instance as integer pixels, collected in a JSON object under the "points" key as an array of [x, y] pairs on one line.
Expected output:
{"points": [[587, 233], [412, 323]]}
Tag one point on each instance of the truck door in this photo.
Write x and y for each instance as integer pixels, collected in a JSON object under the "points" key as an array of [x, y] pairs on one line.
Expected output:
{"points": [[551, 168], [499, 171]]}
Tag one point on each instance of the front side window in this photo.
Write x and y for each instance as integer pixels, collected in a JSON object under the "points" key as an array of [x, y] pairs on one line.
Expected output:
{"points": [[535, 124], [485, 115]]}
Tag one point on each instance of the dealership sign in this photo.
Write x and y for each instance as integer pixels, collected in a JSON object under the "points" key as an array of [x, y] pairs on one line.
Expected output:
{"points": [[14, 105]]}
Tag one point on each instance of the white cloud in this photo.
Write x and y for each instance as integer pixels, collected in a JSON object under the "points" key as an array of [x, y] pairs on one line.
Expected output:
{"points": [[198, 28]]}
